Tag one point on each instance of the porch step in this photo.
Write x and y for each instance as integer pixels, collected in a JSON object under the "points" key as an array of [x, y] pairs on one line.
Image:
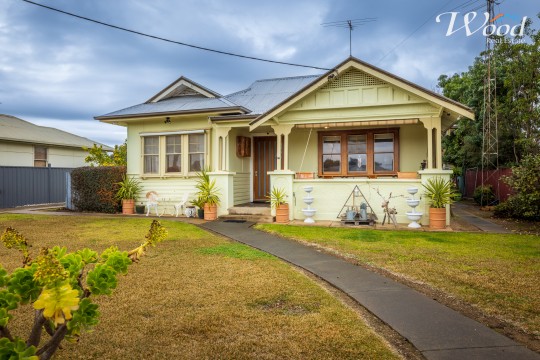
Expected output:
{"points": [[247, 217], [250, 210]]}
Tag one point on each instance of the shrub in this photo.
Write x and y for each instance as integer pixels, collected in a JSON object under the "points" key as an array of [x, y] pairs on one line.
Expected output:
{"points": [[484, 195], [525, 180], [95, 188]]}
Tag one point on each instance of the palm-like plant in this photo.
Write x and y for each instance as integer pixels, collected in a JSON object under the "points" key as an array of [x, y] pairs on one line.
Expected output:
{"points": [[440, 192], [128, 189], [208, 192], [277, 197]]}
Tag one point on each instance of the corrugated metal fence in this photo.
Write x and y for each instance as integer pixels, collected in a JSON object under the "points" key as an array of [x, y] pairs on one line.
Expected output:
{"points": [[21, 185], [473, 179]]}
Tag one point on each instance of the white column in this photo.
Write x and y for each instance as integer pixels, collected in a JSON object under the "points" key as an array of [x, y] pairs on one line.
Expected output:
{"points": [[285, 130], [428, 174], [218, 132], [283, 179], [428, 125], [224, 184]]}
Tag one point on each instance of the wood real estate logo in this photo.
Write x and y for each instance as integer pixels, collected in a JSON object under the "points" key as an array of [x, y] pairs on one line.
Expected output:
{"points": [[487, 25]]}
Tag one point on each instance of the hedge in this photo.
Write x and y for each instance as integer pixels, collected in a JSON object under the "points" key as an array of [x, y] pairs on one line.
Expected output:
{"points": [[94, 188]]}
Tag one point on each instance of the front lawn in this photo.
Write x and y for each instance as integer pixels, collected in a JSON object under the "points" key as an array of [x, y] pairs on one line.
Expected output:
{"points": [[499, 274], [198, 296]]}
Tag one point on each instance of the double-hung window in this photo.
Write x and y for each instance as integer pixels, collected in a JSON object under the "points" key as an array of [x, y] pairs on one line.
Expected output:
{"points": [[196, 152], [151, 154], [175, 153], [358, 153]]}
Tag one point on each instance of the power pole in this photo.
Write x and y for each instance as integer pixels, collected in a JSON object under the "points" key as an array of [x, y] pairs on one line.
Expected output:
{"points": [[490, 138]]}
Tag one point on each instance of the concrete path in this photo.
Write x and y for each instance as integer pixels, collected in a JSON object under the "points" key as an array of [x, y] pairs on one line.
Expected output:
{"points": [[436, 330], [460, 210]]}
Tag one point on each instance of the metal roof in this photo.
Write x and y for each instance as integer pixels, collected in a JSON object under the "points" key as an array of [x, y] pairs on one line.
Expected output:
{"points": [[263, 95], [175, 105], [18, 130]]}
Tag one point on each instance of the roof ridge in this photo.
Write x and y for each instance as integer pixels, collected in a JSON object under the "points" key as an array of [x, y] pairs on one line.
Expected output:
{"points": [[287, 77]]}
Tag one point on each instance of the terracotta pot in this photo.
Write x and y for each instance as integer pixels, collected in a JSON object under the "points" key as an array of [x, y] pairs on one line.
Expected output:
{"points": [[282, 214], [210, 212], [437, 218], [128, 206]]}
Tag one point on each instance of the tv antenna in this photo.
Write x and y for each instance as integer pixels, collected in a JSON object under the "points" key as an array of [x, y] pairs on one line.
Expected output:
{"points": [[349, 24]]}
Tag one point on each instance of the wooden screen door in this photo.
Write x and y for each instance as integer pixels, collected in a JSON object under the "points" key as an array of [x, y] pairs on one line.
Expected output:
{"points": [[264, 160]]}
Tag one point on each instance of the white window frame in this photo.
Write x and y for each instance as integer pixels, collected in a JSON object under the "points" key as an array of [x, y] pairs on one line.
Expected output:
{"points": [[184, 162]]}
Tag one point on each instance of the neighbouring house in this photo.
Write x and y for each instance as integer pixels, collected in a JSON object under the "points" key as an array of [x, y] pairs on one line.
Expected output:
{"points": [[354, 125], [25, 144]]}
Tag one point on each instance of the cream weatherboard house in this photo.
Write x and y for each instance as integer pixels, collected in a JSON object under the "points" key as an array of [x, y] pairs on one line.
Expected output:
{"points": [[25, 144], [354, 125]]}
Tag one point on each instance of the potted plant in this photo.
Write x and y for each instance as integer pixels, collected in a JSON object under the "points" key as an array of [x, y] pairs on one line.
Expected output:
{"points": [[128, 190], [199, 203], [440, 193], [278, 201], [209, 195], [139, 209]]}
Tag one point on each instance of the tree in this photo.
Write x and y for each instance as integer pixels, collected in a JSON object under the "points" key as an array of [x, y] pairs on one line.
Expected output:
{"points": [[517, 65], [59, 286], [99, 157]]}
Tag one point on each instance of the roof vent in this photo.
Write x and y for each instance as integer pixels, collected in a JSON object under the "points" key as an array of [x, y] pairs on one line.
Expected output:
{"points": [[353, 78]]}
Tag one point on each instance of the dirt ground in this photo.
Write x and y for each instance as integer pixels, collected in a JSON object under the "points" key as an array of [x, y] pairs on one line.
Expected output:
{"points": [[515, 226]]}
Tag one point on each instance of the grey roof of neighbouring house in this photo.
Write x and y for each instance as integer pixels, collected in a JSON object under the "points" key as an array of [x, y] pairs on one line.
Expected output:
{"points": [[18, 130], [259, 97]]}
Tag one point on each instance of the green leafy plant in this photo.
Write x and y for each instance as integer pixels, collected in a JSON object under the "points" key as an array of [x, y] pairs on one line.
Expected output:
{"points": [[277, 197], [484, 195], [439, 192], [99, 157], [208, 191], [198, 202], [128, 188], [94, 188], [59, 285], [525, 180]]}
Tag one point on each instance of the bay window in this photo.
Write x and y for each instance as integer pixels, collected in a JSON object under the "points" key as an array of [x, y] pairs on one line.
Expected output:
{"points": [[179, 153], [358, 153]]}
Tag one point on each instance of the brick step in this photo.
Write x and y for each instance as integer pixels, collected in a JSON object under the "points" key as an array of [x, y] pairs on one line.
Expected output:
{"points": [[250, 210], [247, 217]]}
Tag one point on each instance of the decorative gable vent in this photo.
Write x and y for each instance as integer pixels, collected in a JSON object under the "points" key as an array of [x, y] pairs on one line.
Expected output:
{"points": [[353, 78], [181, 91]]}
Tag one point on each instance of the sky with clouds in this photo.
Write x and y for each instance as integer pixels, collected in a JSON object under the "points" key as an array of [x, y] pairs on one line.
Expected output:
{"points": [[60, 71]]}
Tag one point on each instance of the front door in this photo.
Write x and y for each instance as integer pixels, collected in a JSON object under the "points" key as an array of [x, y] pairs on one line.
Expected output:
{"points": [[264, 160]]}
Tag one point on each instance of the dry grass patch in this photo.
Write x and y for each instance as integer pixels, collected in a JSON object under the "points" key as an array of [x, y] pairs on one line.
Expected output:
{"points": [[200, 296], [498, 273]]}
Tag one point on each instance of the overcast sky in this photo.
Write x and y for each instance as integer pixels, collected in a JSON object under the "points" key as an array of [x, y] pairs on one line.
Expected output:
{"points": [[60, 71]]}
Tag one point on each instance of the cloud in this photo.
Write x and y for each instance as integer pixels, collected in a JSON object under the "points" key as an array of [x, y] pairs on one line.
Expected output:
{"points": [[65, 71]]}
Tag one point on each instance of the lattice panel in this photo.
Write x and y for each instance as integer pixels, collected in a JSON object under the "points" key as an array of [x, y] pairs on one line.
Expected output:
{"points": [[182, 91], [353, 78]]}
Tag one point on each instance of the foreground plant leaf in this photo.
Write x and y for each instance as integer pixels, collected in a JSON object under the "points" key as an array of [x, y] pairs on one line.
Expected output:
{"points": [[58, 302], [16, 350]]}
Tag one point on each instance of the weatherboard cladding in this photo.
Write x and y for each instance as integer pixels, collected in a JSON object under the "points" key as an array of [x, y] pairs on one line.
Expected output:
{"points": [[261, 96]]}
